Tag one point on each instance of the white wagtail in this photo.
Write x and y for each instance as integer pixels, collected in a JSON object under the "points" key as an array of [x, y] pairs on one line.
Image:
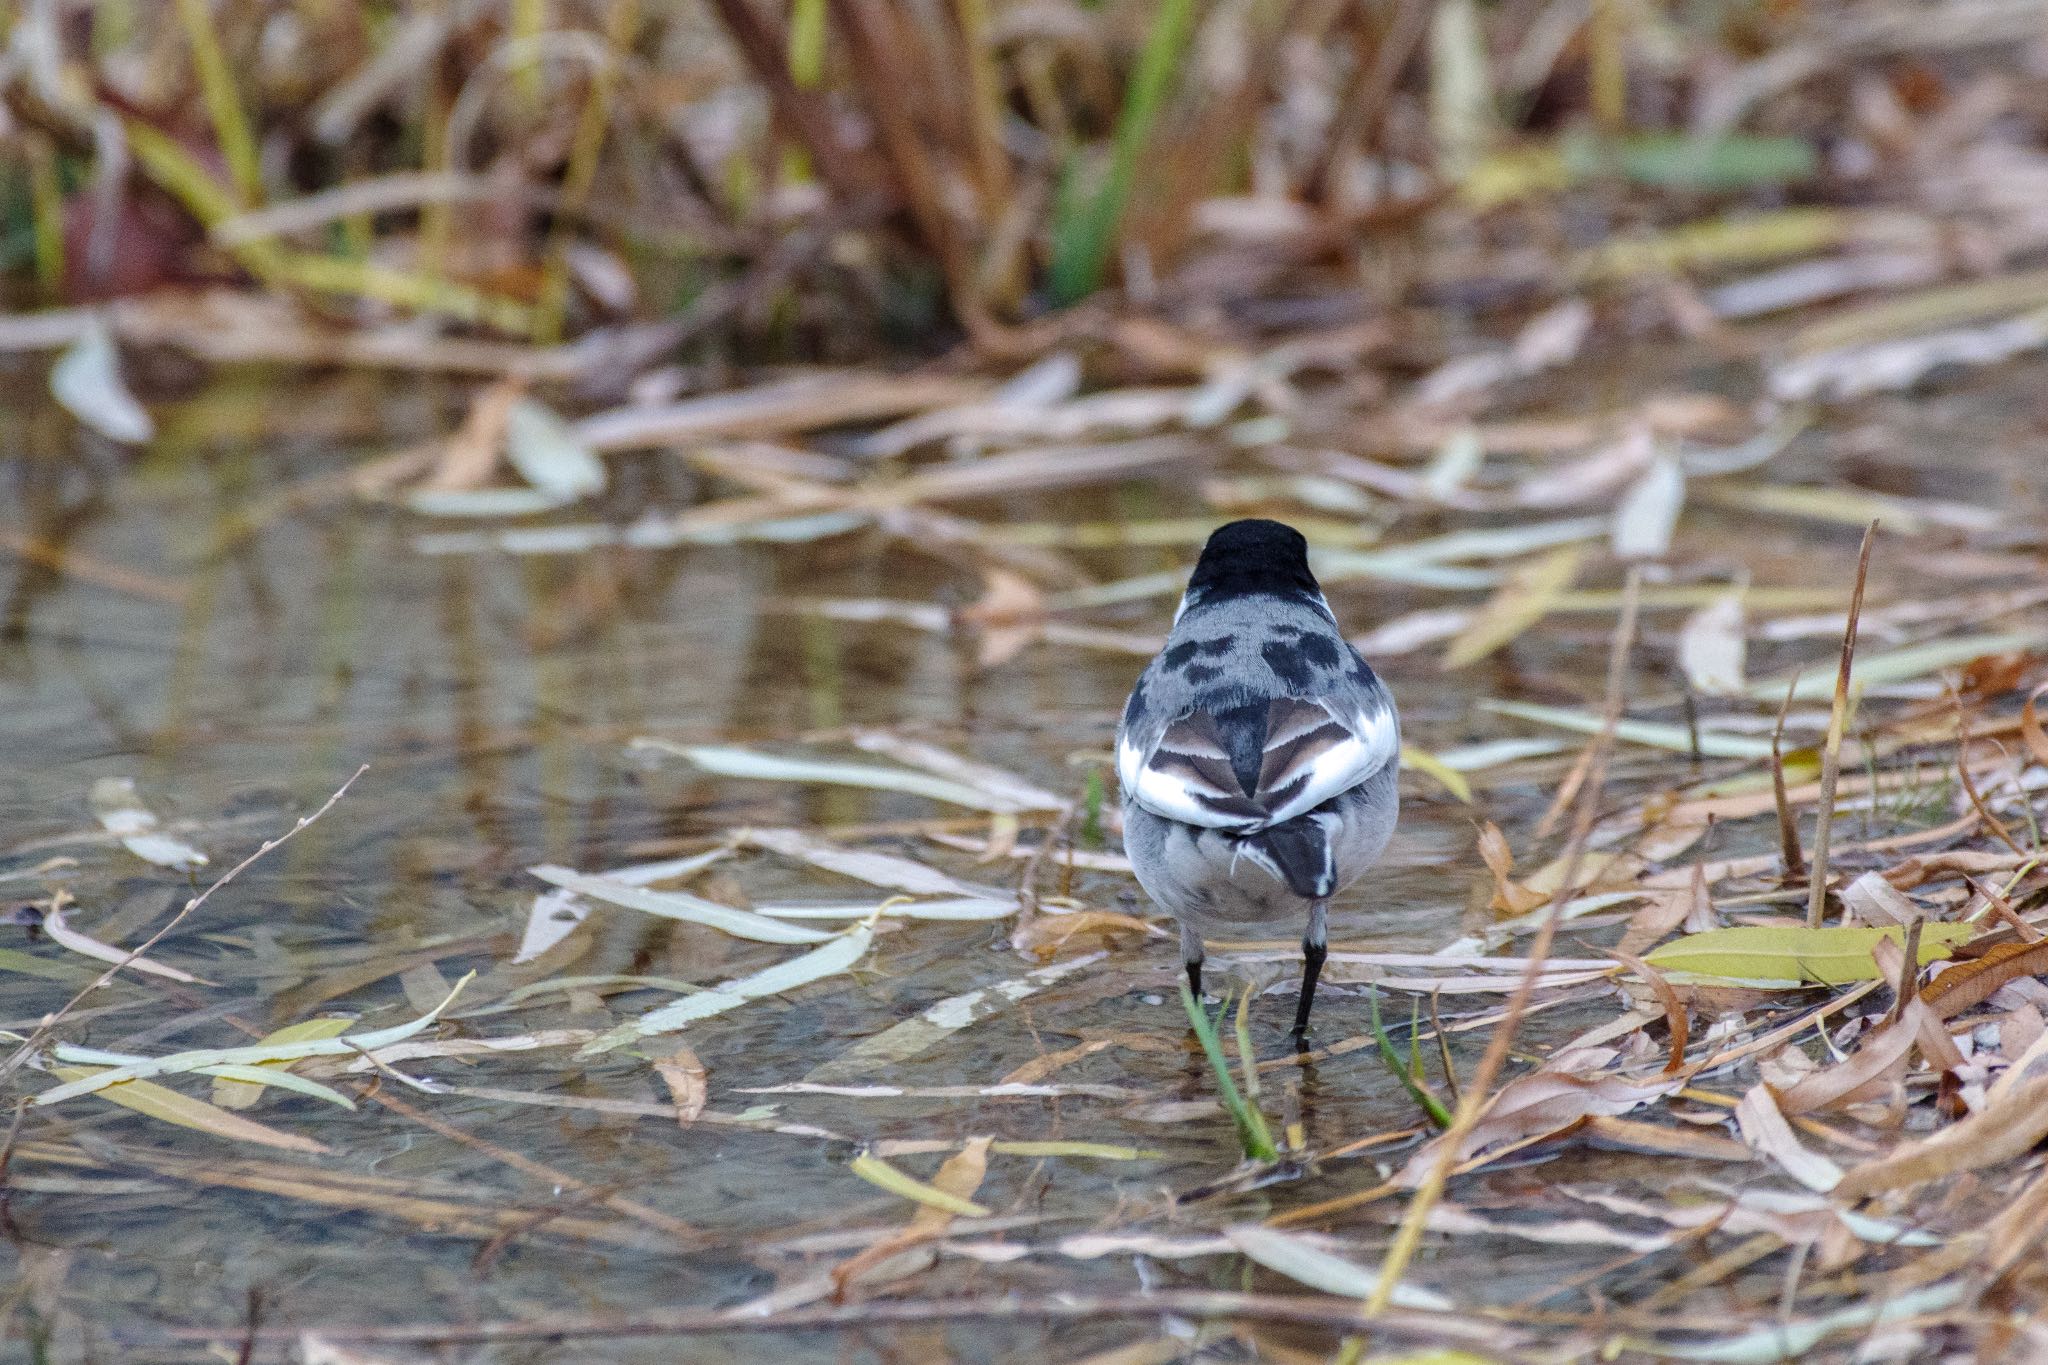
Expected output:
{"points": [[1257, 754]]}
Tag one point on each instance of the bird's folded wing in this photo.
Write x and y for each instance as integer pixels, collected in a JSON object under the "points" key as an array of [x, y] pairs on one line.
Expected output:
{"points": [[1310, 753]]}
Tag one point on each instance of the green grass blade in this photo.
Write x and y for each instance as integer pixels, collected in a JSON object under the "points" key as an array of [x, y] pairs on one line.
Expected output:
{"points": [[1252, 1133], [1085, 227], [1430, 1104]]}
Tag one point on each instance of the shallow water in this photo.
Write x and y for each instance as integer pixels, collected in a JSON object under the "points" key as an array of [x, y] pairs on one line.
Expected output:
{"points": [[239, 655], [239, 658]]}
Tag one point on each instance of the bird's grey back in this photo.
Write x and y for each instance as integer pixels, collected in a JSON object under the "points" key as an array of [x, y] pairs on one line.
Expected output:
{"points": [[1247, 651]]}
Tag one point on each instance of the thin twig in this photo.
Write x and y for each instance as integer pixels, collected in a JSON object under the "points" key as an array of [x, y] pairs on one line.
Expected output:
{"points": [[27, 1049], [1476, 1090], [1788, 828], [1831, 755]]}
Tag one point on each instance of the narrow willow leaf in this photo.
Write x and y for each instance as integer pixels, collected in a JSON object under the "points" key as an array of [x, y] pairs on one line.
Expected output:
{"points": [[679, 905], [234, 1094], [168, 1106], [1422, 761], [728, 761], [1900, 665], [1100, 1151], [918, 1035], [881, 1174], [255, 1076], [1524, 600], [957, 908], [1301, 1259], [828, 959], [66, 936], [121, 813], [866, 865], [1656, 734], [1792, 1340], [178, 1062], [1831, 955]]}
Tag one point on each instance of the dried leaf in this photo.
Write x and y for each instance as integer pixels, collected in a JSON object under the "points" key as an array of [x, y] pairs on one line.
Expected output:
{"points": [[2007, 1127], [1509, 896], [876, 869], [913, 1037], [1873, 900], [1303, 1259], [730, 761], [545, 451], [1522, 601], [66, 936], [1881, 1052], [1969, 983], [2030, 725], [1791, 955], [687, 1081], [1766, 1132], [552, 917]]}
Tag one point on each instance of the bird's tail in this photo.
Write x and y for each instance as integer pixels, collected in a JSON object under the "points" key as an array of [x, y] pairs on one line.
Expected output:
{"points": [[1298, 851]]}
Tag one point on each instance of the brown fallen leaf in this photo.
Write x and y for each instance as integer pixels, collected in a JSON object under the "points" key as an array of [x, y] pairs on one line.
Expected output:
{"points": [[1542, 1103], [1662, 912], [2030, 726], [1656, 1137], [1764, 1129], [2007, 1127], [1970, 983], [683, 1072], [1879, 1056], [1676, 1018], [1510, 897], [1009, 614]]}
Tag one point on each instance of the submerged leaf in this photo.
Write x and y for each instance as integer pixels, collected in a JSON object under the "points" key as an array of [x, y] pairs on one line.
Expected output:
{"points": [[169, 1106], [1656, 734], [680, 905], [828, 959], [1831, 955], [121, 813]]}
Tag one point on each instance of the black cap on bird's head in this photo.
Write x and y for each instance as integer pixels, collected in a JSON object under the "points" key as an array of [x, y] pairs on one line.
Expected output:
{"points": [[1253, 556]]}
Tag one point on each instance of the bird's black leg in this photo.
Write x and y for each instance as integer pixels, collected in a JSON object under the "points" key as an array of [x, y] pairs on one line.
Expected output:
{"points": [[1191, 955], [1314, 948]]}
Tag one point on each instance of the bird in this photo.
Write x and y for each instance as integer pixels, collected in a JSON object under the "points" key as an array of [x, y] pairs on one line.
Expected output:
{"points": [[1258, 754]]}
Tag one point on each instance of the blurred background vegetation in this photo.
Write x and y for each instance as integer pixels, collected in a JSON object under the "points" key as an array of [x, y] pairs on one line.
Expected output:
{"points": [[819, 178]]}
